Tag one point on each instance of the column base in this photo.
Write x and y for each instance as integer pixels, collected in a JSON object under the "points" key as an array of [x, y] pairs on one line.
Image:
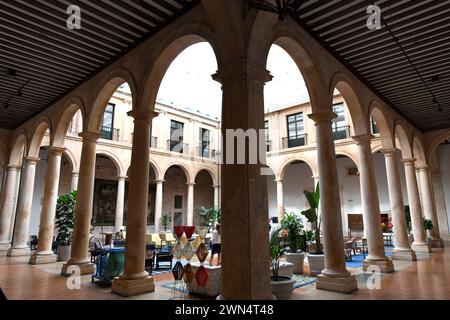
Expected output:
{"points": [[385, 266], [436, 243], [42, 258], [128, 288], [343, 285], [18, 252], [85, 269], [422, 247], [409, 255], [4, 247]]}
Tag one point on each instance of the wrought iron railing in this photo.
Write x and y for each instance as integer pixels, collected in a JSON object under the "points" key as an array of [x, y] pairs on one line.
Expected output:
{"points": [[268, 145], [154, 142], [292, 142], [177, 146], [340, 133], [109, 133]]}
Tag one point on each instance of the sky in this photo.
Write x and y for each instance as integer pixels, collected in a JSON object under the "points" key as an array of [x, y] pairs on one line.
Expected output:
{"points": [[188, 83]]}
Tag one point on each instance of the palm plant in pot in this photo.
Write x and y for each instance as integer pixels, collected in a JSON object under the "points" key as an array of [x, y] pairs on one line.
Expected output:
{"points": [[65, 213], [166, 219], [294, 227], [282, 287], [316, 258]]}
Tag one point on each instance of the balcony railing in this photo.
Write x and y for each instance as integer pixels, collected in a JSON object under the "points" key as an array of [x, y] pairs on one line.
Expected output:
{"points": [[109, 133], [154, 142], [292, 142], [268, 145], [177, 146], [340, 133], [203, 152]]}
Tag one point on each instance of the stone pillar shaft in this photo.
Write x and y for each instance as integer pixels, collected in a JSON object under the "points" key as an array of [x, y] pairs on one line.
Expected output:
{"points": [[419, 243], [120, 203], [190, 204], [25, 201], [7, 207], [158, 205], [280, 200], [335, 276], [441, 206], [74, 181], [134, 279], [402, 250], [216, 197], [84, 204]]}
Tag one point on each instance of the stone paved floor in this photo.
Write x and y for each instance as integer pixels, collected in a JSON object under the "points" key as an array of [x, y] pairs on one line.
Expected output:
{"points": [[428, 278]]}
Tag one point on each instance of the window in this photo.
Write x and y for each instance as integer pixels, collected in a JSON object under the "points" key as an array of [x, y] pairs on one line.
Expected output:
{"points": [[375, 128], [296, 130], [106, 131], [178, 202], [340, 128], [266, 131], [204, 146], [176, 136]]}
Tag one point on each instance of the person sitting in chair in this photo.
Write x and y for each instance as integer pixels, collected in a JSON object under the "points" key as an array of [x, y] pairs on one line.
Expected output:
{"points": [[215, 245]]}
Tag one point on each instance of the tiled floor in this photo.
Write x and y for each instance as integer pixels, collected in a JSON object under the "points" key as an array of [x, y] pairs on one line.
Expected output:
{"points": [[428, 278]]}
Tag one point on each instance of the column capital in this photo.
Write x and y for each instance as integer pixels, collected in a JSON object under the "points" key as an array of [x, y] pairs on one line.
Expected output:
{"points": [[121, 178], [31, 160], [14, 167], [365, 138], [74, 173], [189, 184], [143, 115], [278, 180], [242, 69], [422, 167], [388, 152], [217, 186], [57, 150], [322, 116], [409, 161], [89, 136], [160, 181]]}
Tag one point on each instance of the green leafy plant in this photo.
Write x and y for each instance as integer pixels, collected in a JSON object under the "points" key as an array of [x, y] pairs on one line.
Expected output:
{"points": [[277, 249], [209, 216], [309, 235], [427, 224], [166, 219], [294, 226], [408, 219], [65, 214], [312, 214]]}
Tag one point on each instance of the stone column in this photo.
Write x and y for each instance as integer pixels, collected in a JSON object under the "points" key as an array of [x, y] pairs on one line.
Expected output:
{"points": [[335, 276], [419, 244], [429, 207], [402, 250], [190, 204], [120, 202], [21, 229], [158, 205], [83, 208], [74, 182], [245, 262], [371, 207], [44, 253], [7, 208], [280, 200], [134, 279], [441, 207], [216, 197]]}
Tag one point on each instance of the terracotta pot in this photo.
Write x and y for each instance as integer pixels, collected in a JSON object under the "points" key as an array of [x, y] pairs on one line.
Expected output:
{"points": [[297, 260], [282, 289], [316, 263], [63, 253]]}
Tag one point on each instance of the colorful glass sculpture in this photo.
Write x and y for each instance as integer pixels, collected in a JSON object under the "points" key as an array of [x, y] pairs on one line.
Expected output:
{"points": [[202, 252], [188, 251], [189, 273], [177, 251], [178, 271], [178, 231], [202, 231], [201, 276], [189, 231]]}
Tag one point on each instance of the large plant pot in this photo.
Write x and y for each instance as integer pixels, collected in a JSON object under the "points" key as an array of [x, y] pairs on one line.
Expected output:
{"points": [[410, 238], [63, 253], [297, 260], [316, 263], [282, 289]]}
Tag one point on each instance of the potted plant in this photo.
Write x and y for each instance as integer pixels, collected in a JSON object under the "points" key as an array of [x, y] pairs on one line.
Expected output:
{"points": [[282, 287], [208, 216], [428, 225], [294, 227], [65, 212], [166, 219], [316, 258]]}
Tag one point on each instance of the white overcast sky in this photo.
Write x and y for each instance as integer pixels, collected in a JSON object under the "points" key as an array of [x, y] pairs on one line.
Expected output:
{"points": [[188, 82]]}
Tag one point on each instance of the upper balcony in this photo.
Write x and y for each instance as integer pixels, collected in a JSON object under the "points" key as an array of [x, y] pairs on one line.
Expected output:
{"points": [[293, 142], [340, 133], [109, 133]]}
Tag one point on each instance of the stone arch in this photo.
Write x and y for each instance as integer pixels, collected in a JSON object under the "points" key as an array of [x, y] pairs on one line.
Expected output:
{"points": [[402, 136], [180, 39], [347, 88], [288, 162], [104, 94], [183, 167], [419, 152], [19, 148], [266, 31], [351, 156], [155, 167], [43, 124], [72, 160], [386, 132], [117, 162], [430, 151], [377, 149], [65, 118], [209, 171]]}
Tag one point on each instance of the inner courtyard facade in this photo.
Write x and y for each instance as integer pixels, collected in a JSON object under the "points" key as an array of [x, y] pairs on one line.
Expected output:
{"points": [[132, 158]]}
